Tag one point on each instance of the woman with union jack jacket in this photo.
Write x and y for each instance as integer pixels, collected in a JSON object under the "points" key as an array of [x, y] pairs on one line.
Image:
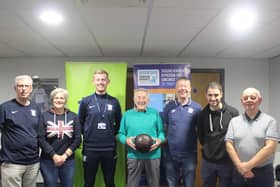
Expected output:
{"points": [[59, 136]]}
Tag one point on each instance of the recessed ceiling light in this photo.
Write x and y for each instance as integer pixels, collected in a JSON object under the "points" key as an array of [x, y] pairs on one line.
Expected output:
{"points": [[243, 19], [51, 17]]}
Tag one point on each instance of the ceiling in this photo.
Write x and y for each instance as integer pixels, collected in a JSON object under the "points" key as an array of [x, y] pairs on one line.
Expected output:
{"points": [[137, 28]]}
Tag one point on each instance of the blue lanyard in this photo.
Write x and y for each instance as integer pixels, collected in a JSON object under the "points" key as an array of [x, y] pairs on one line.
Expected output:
{"points": [[98, 106]]}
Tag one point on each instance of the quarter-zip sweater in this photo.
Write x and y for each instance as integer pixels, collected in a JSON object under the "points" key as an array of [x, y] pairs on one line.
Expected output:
{"points": [[58, 132], [100, 117]]}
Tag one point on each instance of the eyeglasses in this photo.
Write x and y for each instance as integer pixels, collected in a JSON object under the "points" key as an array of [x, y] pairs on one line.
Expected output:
{"points": [[23, 86]]}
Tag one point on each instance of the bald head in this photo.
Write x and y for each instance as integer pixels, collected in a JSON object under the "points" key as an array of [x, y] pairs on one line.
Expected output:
{"points": [[251, 99]]}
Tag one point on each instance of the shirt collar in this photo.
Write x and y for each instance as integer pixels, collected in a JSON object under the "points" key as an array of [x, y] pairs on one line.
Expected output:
{"points": [[255, 118], [188, 103], [144, 111]]}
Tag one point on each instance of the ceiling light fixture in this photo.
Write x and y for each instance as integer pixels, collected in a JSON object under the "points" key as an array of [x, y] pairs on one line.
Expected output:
{"points": [[243, 19], [51, 17]]}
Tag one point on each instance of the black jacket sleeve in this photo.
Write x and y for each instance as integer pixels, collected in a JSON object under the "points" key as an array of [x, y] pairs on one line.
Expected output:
{"points": [[82, 114], [77, 134], [2, 118], [200, 131], [118, 117]]}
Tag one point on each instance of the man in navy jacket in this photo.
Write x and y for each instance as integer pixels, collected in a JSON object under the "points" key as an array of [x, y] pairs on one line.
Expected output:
{"points": [[100, 116]]}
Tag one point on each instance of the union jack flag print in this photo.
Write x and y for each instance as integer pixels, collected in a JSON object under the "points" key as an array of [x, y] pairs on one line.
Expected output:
{"points": [[60, 129]]}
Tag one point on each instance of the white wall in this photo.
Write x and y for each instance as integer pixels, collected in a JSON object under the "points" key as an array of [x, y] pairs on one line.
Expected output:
{"points": [[44, 67], [274, 104], [239, 74], [274, 79]]}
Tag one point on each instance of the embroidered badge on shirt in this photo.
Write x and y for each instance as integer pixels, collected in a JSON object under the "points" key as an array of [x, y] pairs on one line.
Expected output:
{"points": [[110, 107], [190, 110], [33, 112]]}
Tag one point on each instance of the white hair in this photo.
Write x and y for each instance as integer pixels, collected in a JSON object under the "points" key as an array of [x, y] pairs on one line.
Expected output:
{"points": [[141, 90], [21, 77], [251, 89], [59, 90]]}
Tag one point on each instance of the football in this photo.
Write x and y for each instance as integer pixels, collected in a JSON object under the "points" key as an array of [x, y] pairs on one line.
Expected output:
{"points": [[143, 143]]}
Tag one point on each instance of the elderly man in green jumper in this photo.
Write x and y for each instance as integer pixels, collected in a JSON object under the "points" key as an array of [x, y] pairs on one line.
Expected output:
{"points": [[139, 120]]}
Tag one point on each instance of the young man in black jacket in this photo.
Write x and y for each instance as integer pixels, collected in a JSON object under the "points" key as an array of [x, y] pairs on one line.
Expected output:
{"points": [[213, 122], [100, 116]]}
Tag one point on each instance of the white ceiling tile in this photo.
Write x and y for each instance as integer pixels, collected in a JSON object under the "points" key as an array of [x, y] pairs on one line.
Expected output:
{"points": [[165, 22], [111, 3], [67, 38], [120, 48], [190, 4], [157, 28], [117, 23], [8, 51]]}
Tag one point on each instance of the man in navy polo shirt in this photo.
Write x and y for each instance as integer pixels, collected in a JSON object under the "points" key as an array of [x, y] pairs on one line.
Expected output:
{"points": [[180, 118], [19, 121]]}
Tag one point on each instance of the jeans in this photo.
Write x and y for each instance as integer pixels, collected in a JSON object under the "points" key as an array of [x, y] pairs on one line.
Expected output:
{"points": [[51, 173], [187, 166], [211, 171]]}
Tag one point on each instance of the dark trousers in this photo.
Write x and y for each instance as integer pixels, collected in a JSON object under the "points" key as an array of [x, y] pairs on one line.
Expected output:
{"points": [[212, 171], [91, 160], [263, 178]]}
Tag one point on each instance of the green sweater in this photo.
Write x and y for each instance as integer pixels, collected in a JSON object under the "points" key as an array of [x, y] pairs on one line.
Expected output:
{"points": [[134, 123]]}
